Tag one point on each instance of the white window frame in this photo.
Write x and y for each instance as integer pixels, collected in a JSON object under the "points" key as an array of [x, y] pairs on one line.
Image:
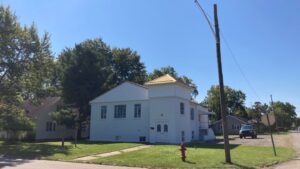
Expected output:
{"points": [[182, 108], [193, 134], [50, 126], [137, 110], [120, 111], [158, 128], [103, 113], [192, 114], [166, 128]]}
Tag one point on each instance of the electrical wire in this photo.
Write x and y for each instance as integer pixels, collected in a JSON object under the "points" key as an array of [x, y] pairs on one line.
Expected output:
{"points": [[238, 65], [208, 19]]}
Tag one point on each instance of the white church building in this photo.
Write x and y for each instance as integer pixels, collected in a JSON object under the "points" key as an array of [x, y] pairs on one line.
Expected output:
{"points": [[160, 111]]}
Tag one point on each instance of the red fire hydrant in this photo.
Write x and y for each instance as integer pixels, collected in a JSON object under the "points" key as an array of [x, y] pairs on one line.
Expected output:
{"points": [[182, 150]]}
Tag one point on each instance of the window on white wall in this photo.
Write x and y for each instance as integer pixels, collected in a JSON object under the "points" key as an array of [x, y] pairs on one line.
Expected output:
{"points": [[103, 112], [181, 108], [120, 111], [142, 139], [166, 128], [193, 135], [47, 126], [158, 128], [137, 110], [50, 126], [53, 126], [192, 114]]}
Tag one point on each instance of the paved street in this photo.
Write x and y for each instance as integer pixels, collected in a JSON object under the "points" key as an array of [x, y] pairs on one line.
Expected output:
{"points": [[295, 163], [44, 164]]}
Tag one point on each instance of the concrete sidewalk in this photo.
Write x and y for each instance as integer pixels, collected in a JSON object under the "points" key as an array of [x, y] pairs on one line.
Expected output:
{"points": [[92, 157], [44, 164]]}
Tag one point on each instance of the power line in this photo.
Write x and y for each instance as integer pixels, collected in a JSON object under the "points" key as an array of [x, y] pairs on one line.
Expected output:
{"points": [[208, 19], [239, 67]]}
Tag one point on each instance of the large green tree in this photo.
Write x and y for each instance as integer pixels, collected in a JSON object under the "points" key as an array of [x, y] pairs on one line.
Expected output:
{"points": [[255, 112], [285, 114], [25, 69], [234, 99], [126, 65], [92, 68], [86, 73], [171, 71]]}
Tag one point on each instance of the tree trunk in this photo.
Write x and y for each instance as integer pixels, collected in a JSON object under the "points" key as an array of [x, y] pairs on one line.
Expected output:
{"points": [[63, 141], [75, 136], [63, 137], [7, 135], [258, 128]]}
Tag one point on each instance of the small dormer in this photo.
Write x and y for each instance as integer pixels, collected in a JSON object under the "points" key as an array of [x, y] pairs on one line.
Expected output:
{"points": [[167, 86]]}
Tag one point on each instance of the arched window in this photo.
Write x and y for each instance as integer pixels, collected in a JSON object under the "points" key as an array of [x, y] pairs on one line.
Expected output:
{"points": [[158, 128], [192, 114], [165, 128]]}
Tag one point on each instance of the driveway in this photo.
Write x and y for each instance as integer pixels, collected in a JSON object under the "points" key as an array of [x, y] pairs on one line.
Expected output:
{"points": [[284, 140], [44, 164], [295, 163]]}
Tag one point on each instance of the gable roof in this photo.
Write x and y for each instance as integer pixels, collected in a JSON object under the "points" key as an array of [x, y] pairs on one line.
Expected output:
{"points": [[33, 110], [166, 79], [125, 93]]}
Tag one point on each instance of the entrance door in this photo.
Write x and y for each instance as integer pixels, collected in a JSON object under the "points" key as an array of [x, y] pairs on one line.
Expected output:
{"points": [[162, 130], [202, 133]]}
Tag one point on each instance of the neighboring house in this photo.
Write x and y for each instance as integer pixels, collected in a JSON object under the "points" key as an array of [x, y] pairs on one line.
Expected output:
{"points": [[45, 127], [234, 125], [161, 111]]}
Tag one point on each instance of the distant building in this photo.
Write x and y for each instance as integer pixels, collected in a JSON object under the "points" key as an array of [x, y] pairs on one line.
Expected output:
{"points": [[160, 111], [45, 127], [234, 125]]}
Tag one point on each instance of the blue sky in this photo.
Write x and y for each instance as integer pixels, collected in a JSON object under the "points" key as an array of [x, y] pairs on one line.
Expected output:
{"points": [[264, 36]]}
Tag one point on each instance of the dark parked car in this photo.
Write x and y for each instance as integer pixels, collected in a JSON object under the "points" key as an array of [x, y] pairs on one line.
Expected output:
{"points": [[248, 130], [281, 129]]}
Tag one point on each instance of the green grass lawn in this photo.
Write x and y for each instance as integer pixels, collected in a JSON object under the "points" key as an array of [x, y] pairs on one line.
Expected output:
{"points": [[53, 150], [203, 156]]}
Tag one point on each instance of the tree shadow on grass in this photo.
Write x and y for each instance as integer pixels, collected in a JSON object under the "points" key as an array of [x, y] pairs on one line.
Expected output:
{"points": [[189, 162], [211, 146], [31, 150], [17, 153]]}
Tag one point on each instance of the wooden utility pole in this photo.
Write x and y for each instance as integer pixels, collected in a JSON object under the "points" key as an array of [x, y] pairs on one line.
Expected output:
{"points": [[221, 85], [270, 128]]}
